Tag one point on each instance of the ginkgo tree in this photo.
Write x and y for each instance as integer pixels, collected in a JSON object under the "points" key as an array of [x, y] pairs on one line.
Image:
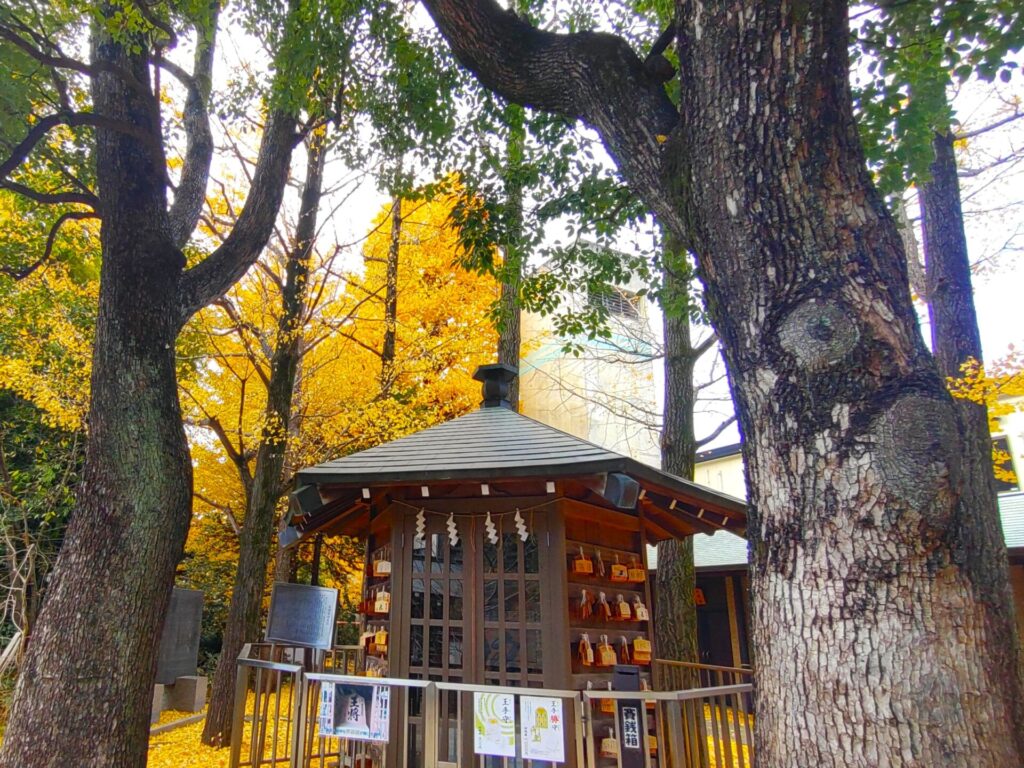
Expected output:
{"points": [[345, 390]]}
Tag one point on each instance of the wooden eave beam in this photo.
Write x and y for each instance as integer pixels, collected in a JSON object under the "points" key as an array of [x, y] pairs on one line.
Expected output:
{"points": [[678, 528]]}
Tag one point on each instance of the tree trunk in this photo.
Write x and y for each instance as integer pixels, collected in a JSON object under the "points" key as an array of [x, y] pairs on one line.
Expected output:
{"points": [[676, 613], [314, 563], [90, 664], [387, 351], [880, 615], [880, 610], [510, 327], [243, 624]]}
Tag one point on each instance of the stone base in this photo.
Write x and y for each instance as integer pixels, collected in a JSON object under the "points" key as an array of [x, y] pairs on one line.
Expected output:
{"points": [[186, 694]]}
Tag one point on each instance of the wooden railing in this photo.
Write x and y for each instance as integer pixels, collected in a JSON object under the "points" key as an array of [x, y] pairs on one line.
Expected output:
{"points": [[276, 719], [682, 675]]}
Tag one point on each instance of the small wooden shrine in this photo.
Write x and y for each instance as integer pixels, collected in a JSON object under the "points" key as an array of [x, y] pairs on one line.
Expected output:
{"points": [[503, 551]]}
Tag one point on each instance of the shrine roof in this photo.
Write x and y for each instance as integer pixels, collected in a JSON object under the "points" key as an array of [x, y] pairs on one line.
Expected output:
{"points": [[492, 443]]}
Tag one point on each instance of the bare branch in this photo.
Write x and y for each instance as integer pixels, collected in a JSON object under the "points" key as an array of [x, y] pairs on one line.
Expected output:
{"points": [[226, 265], [991, 126], [191, 192], [716, 431]]}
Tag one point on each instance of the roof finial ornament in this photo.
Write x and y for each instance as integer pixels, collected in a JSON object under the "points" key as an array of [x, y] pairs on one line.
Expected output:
{"points": [[496, 379]]}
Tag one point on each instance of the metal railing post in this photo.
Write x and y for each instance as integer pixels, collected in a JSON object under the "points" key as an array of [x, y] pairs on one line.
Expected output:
{"points": [[430, 705], [298, 721], [238, 716], [579, 714]]}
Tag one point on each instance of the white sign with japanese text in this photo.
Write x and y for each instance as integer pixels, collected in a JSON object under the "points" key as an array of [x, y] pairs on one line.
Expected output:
{"points": [[361, 712], [542, 728], [494, 724], [630, 728]]}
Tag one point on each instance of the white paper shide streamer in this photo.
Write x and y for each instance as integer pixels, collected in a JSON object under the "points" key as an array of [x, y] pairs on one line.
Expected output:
{"points": [[492, 531], [453, 532], [521, 527], [421, 528]]}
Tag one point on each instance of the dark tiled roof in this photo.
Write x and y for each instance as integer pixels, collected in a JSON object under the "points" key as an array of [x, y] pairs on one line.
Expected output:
{"points": [[719, 453], [491, 443]]}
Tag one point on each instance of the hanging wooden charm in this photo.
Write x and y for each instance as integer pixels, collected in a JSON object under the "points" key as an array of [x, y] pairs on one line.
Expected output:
{"points": [[608, 705], [583, 565], [585, 651], [619, 571], [622, 610], [624, 651], [605, 653], [382, 603], [381, 567], [640, 610], [604, 611], [586, 609], [380, 640], [609, 745], [636, 574], [600, 565], [641, 651]]}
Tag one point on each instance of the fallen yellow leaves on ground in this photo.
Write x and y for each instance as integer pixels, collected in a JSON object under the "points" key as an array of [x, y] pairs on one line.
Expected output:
{"points": [[181, 747]]}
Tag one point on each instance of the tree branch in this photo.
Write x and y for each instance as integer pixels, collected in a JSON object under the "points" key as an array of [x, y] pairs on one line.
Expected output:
{"points": [[59, 61], [191, 192], [226, 265], [51, 238], [716, 431], [595, 77], [51, 198], [72, 119]]}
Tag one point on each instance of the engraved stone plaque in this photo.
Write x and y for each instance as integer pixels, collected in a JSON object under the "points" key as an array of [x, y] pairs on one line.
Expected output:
{"points": [[179, 644], [302, 615]]}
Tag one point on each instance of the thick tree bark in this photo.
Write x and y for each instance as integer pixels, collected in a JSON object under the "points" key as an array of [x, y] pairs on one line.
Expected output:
{"points": [[676, 613], [387, 350], [90, 665], [510, 335], [881, 615], [85, 691], [243, 624]]}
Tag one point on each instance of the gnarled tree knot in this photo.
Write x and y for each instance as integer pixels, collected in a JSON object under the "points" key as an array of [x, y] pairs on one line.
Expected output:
{"points": [[818, 334]]}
